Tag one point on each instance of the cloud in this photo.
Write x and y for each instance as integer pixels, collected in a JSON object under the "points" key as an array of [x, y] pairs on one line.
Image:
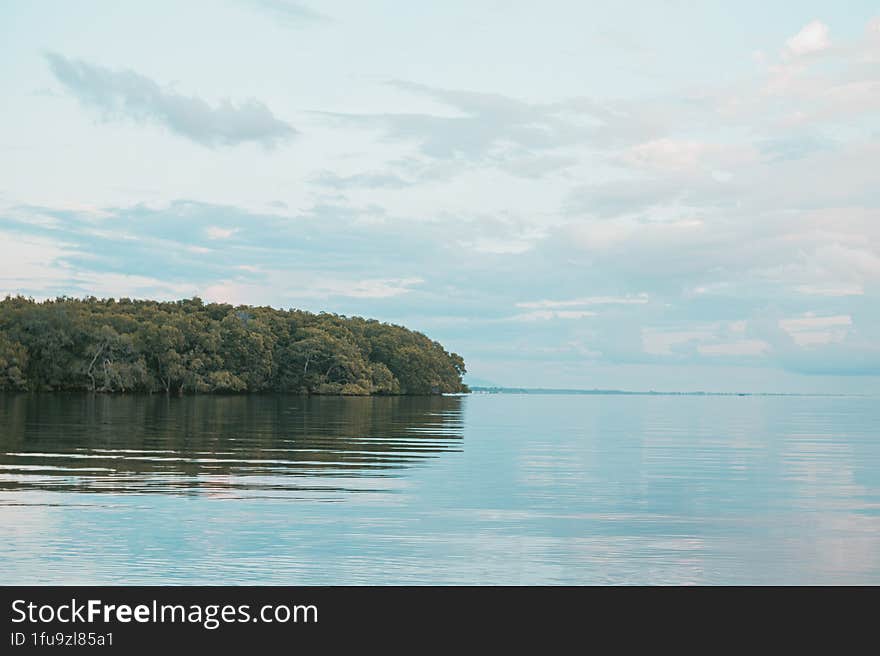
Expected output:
{"points": [[795, 147], [811, 322], [40, 267], [28, 261], [278, 259], [214, 232], [813, 37], [668, 342], [486, 127], [360, 180], [742, 348], [543, 315], [831, 290], [531, 166], [372, 288], [297, 288], [590, 300], [809, 329], [402, 270], [294, 13], [127, 94], [675, 155], [499, 246]]}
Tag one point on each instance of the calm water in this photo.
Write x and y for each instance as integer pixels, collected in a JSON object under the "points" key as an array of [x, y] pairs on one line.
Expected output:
{"points": [[482, 489]]}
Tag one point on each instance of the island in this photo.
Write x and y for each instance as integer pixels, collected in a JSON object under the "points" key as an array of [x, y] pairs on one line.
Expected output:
{"points": [[192, 347]]}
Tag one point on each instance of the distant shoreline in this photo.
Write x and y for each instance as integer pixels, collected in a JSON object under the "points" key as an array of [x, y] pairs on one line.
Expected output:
{"points": [[479, 389]]}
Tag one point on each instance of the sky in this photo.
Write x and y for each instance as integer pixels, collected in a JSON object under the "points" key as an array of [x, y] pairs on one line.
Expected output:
{"points": [[642, 195]]}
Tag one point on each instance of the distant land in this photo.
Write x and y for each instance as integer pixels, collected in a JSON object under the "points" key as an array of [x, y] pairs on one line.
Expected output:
{"points": [[477, 389]]}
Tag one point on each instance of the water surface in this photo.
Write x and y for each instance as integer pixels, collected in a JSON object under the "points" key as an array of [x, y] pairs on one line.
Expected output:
{"points": [[486, 489]]}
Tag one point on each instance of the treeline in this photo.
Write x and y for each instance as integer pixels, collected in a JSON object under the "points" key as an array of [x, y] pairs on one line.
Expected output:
{"points": [[188, 347]]}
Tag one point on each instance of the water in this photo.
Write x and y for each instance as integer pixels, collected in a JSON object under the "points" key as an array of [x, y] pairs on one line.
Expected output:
{"points": [[486, 489]]}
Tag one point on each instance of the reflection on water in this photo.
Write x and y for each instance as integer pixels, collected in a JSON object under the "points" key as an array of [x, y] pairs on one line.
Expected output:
{"points": [[234, 445], [482, 489]]}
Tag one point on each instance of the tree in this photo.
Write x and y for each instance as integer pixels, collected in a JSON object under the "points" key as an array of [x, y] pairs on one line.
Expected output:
{"points": [[13, 363], [104, 345]]}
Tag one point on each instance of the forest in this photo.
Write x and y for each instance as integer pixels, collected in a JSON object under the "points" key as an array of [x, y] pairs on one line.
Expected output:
{"points": [[192, 347]]}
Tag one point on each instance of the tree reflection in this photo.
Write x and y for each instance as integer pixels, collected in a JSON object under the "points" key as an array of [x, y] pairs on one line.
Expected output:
{"points": [[142, 444]]}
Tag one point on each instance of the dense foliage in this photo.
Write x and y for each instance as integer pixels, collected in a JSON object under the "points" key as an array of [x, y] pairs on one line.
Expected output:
{"points": [[187, 346]]}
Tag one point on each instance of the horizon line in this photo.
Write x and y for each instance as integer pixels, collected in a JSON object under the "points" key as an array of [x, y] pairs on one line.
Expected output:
{"points": [[501, 389]]}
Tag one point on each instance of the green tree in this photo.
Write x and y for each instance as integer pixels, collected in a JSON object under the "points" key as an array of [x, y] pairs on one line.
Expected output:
{"points": [[13, 363], [105, 345]]}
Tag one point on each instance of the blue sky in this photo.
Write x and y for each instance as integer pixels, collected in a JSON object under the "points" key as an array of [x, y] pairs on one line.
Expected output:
{"points": [[655, 195]]}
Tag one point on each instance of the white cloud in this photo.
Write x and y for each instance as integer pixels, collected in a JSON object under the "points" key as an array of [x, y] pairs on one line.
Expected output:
{"points": [[40, 267], [639, 299], [31, 263], [811, 322], [499, 246], [811, 330], [545, 315], [831, 290], [666, 154], [384, 288], [741, 348], [294, 287], [215, 232], [662, 342], [813, 37], [712, 339], [119, 285], [292, 13]]}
